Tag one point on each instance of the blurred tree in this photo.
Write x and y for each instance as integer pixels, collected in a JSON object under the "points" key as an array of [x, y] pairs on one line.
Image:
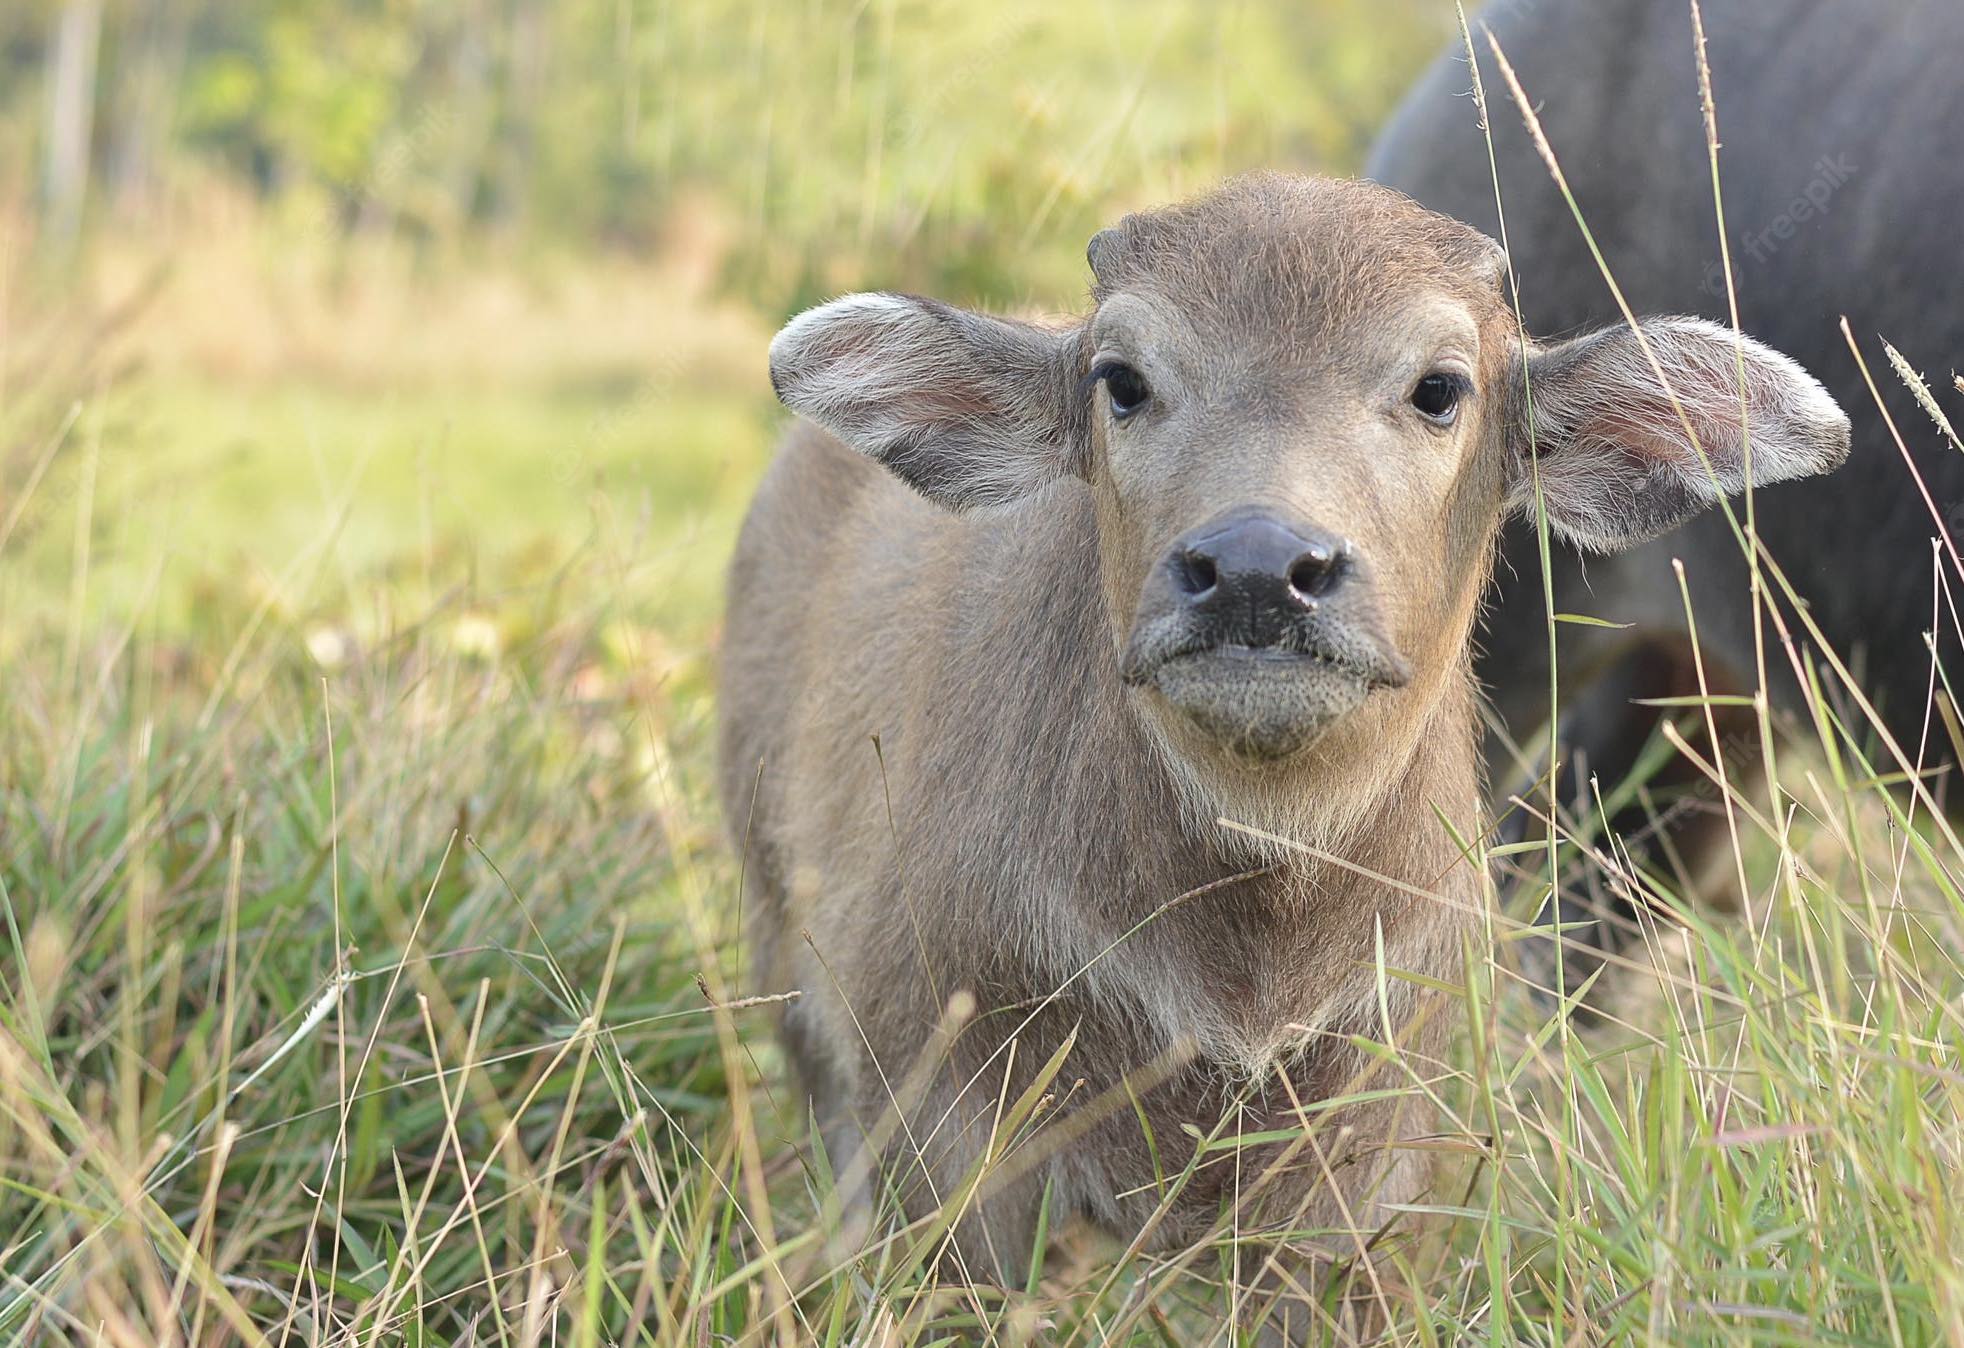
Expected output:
{"points": [[71, 114], [143, 97]]}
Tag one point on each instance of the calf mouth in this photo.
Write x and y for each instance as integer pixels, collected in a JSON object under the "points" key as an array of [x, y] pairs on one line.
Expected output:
{"points": [[1264, 703]]}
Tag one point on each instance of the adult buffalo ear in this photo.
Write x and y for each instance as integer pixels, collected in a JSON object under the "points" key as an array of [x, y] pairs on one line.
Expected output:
{"points": [[968, 410], [1616, 467]]}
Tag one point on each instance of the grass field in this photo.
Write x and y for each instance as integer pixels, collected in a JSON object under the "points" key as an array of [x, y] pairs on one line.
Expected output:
{"points": [[368, 963]]}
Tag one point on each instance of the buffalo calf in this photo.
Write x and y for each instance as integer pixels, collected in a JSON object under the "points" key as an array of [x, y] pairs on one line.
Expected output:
{"points": [[1022, 613]]}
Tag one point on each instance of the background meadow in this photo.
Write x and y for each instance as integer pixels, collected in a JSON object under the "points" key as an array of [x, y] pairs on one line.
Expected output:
{"points": [[380, 388]]}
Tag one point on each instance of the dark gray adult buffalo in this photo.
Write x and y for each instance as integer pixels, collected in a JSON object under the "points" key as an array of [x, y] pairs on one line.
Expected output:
{"points": [[1843, 177]]}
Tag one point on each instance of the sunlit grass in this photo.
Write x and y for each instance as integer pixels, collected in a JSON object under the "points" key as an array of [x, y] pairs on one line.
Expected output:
{"points": [[356, 902], [338, 995], [494, 484]]}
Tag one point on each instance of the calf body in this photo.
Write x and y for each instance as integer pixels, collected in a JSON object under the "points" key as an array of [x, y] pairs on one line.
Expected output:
{"points": [[1033, 825], [1031, 609]]}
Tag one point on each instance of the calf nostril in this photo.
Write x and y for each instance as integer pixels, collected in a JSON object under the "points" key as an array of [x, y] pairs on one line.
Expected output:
{"points": [[1316, 572], [1196, 573]]}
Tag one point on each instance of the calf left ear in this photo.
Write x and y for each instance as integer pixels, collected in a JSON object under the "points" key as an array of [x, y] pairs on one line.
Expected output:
{"points": [[1616, 467], [966, 409]]}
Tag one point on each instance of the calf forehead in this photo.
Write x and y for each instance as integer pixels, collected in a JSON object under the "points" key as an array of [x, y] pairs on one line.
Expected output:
{"points": [[1279, 262]]}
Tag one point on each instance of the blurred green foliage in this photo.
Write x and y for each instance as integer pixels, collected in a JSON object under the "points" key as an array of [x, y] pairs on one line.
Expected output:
{"points": [[399, 196], [928, 144]]}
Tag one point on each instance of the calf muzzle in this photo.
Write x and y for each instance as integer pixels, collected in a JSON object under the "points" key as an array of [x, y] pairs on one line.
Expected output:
{"points": [[1262, 630]]}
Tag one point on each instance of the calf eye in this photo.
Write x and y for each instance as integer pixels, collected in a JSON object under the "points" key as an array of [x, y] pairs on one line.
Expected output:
{"points": [[1125, 386], [1437, 397]]}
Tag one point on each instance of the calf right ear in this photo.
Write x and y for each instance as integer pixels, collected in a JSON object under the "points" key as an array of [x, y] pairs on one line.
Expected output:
{"points": [[966, 409], [1616, 466]]}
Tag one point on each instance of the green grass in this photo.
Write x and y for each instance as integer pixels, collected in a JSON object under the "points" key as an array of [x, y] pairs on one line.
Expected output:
{"points": [[319, 489], [367, 925]]}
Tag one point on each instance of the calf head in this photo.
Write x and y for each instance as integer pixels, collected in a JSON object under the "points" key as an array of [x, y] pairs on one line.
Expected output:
{"points": [[1302, 409]]}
